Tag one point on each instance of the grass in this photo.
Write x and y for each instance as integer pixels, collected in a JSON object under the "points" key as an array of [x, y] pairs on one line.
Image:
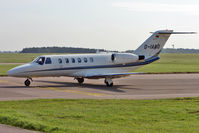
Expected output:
{"points": [[17, 57], [20, 57], [171, 63], [5, 67], [99, 116], [168, 63]]}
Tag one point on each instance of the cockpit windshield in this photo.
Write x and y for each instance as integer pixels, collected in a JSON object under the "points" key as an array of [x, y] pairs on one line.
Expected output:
{"points": [[39, 60]]}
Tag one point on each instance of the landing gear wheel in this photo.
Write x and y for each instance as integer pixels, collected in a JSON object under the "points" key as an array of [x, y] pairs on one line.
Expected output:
{"points": [[80, 80], [108, 82], [27, 82], [109, 85]]}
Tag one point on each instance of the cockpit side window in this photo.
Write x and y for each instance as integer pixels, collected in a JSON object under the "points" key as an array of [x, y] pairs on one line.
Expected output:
{"points": [[40, 60], [48, 60]]}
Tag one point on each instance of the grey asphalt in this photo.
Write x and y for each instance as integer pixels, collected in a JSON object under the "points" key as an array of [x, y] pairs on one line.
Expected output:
{"points": [[10, 129], [146, 86]]}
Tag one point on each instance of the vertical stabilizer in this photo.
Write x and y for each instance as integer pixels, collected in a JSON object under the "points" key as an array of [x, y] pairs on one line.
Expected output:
{"points": [[154, 44]]}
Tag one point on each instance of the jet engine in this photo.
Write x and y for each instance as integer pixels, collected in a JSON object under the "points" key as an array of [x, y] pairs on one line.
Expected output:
{"points": [[123, 58]]}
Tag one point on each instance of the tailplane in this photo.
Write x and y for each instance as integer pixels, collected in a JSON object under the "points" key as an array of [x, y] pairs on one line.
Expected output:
{"points": [[154, 44]]}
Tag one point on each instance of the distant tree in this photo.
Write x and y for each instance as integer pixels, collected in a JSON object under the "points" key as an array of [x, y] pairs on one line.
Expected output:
{"points": [[180, 50]]}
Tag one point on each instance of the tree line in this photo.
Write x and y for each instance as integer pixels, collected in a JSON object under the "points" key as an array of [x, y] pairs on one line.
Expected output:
{"points": [[59, 50], [88, 50]]}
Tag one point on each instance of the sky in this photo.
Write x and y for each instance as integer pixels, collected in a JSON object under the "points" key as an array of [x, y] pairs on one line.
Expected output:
{"points": [[101, 24]]}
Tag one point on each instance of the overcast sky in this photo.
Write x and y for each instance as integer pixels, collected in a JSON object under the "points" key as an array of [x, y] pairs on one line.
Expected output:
{"points": [[105, 24]]}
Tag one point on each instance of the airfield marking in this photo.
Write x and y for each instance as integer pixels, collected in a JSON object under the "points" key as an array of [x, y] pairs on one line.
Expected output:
{"points": [[5, 81], [75, 91], [60, 90], [2, 81]]}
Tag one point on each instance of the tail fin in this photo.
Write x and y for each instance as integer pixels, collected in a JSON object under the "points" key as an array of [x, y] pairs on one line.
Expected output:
{"points": [[154, 44]]}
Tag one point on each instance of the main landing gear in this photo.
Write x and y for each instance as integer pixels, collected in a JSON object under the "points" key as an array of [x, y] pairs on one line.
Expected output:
{"points": [[80, 80], [28, 82], [108, 82]]}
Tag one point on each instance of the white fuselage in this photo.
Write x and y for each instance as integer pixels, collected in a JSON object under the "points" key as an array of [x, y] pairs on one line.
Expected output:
{"points": [[78, 65]]}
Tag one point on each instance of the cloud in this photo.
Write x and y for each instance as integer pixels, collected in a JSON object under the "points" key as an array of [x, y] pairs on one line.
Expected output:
{"points": [[159, 7]]}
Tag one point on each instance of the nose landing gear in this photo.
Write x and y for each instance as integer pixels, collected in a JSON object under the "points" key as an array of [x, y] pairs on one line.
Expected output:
{"points": [[80, 80], [28, 82]]}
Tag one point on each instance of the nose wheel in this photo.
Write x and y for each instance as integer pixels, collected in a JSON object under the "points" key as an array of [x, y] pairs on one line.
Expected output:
{"points": [[27, 82], [108, 82], [80, 80]]}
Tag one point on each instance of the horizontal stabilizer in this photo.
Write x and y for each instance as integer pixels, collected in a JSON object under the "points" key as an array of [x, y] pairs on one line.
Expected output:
{"points": [[171, 32]]}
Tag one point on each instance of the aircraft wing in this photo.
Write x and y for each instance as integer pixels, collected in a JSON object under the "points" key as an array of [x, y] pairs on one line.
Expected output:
{"points": [[110, 75]]}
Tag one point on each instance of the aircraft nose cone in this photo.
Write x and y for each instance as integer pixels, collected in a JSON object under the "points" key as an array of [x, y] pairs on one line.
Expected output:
{"points": [[11, 72], [18, 71]]}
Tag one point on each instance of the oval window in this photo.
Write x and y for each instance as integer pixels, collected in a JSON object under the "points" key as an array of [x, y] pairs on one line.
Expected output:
{"points": [[60, 61], [73, 60], [79, 60], [85, 60], [67, 60]]}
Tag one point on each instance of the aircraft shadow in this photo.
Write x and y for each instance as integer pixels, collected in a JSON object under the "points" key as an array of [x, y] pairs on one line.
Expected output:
{"points": [[17, 87], [115, 88]]}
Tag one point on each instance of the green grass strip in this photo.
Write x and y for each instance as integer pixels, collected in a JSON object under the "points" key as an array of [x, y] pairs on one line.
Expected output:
{"points": [[103, 116], [5, 67], [173, 63]]}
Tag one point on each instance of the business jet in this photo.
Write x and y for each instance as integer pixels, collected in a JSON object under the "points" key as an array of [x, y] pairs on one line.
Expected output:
{"points": [[95, 66]]}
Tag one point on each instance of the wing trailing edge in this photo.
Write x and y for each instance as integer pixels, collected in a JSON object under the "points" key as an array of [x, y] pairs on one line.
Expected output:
{"points": [[111, 75]]}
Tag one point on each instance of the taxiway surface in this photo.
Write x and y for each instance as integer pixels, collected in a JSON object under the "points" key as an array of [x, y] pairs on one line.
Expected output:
{"points": [[146, 86], [10, 129]]}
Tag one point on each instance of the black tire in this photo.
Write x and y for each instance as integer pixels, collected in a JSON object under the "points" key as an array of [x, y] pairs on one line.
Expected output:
{"points": [[80, 80], [27, 82], [109, 85]]}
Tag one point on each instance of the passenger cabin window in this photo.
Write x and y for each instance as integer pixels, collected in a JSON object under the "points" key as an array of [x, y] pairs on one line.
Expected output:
{"points": [[67, 60], [40, 60], [79, 60], [73, 60], [85, 60], [91, 59], [48, 60], [60, 61]]}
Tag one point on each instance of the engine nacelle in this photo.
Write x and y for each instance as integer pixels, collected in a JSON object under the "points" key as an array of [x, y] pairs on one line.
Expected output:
{"points": [[123, 58]]}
